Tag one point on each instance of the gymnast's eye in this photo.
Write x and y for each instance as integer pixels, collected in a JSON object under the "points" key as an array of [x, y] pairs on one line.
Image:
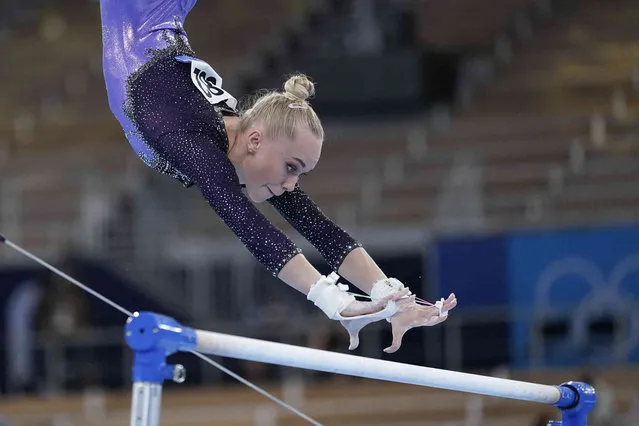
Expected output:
{"points": [[291, 168]]}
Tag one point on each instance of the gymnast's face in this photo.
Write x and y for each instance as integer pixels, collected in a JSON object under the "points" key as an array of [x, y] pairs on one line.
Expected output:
{"points": [[274, 165]]}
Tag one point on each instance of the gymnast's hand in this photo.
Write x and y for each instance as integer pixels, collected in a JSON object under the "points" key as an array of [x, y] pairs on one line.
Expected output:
{"points": [[410, 314], [357, 308]]}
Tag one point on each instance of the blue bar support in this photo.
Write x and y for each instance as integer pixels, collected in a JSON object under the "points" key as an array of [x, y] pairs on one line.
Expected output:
{"points": [[153, 337], [576, 400]]}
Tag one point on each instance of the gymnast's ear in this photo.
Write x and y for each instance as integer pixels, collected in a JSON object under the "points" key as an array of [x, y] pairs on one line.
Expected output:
{"points": [[254, 141]]}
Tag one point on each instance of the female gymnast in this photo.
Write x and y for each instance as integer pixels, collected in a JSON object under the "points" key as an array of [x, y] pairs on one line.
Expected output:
{"points": [[181, 122]]}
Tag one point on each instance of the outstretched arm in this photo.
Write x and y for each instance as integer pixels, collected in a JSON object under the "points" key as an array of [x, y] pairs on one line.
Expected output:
{"points": [[353, 262], [360, 269], [342, 252], [299, 274]]}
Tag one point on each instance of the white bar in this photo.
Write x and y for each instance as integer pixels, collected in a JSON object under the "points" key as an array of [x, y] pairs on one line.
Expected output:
{"points": [[313, 359]]}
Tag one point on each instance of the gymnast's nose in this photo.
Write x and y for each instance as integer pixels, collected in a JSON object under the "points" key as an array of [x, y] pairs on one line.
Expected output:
{"points": [[289, 184]]}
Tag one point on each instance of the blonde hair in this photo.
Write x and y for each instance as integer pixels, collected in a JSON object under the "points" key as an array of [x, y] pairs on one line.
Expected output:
{"points": [[284, 112]]}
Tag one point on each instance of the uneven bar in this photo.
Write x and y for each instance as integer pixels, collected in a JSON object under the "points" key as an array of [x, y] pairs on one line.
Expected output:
{"points": [[313, 359]]}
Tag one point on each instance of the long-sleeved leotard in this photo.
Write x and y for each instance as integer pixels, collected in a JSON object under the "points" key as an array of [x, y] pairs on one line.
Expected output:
{"points": [[176, 126]]}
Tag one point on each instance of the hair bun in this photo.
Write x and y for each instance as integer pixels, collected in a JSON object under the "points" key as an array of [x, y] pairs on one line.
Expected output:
{"points": [[299, 88]]}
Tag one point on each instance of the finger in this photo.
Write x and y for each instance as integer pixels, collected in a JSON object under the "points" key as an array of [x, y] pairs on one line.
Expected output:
{"points": [[398, 335], [450, 305]]}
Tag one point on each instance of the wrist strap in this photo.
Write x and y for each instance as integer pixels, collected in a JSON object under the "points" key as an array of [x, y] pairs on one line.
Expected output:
{"points": [[330, 297], [385, 287]]}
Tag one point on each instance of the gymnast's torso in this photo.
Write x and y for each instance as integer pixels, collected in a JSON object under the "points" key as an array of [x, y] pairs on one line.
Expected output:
{"points": [[138, 35]]}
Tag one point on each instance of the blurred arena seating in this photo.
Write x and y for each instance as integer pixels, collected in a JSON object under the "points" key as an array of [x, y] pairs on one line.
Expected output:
{"points": [[551, 138], [434, 21], [558, 126], [345, 402]]}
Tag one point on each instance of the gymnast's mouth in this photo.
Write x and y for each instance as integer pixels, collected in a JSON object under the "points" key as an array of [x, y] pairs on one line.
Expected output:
{"points": [[272, 193]]}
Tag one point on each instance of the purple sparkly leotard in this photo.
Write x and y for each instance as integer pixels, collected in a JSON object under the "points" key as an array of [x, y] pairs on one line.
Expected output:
{"points": [[174, 123]]}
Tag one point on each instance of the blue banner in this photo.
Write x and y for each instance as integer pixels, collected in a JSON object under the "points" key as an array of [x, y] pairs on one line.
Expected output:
{"points": [[574, 292], [475, 269], [577, 276]]}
